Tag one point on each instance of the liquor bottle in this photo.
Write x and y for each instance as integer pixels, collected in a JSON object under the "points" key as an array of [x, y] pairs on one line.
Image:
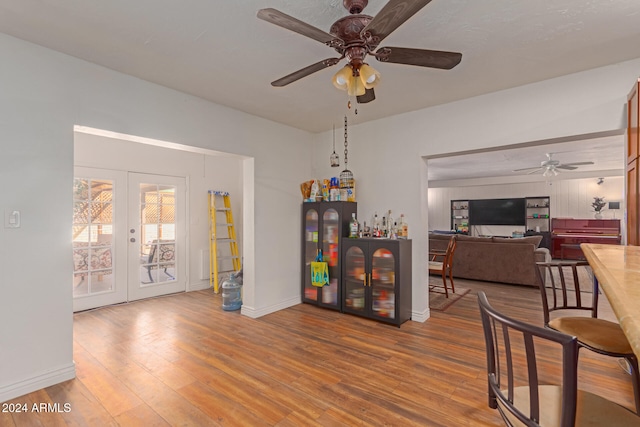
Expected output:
{"points": [[375, 226], [394, 230], [353, 226], [403, 230], [383, 231], [390, 223]]}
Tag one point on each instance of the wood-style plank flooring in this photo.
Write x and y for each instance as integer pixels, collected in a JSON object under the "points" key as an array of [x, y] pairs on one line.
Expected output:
{"points": [[182, 360]]}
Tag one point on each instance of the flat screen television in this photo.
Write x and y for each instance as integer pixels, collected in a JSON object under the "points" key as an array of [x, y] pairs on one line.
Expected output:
{"points": [[498, 212]]}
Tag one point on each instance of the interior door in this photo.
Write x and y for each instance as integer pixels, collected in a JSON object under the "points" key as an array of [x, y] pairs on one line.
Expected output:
{"points": [[156, 235], [99, 238]]}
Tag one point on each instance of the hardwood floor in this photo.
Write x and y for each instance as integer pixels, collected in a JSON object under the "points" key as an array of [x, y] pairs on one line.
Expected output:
{"points": [[182, 360]]}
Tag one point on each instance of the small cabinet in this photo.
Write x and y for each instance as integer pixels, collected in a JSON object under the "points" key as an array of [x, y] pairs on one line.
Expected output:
{"points": [[460, 216], [325, 225], [377, 279]]}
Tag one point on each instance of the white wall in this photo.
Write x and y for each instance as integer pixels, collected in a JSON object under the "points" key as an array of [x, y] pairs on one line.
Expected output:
{"points": [[44, 94], [386, 155], [569, 198]]}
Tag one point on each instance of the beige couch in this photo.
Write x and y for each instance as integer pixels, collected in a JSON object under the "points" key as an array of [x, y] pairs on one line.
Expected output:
{"points": [[494, 259]]}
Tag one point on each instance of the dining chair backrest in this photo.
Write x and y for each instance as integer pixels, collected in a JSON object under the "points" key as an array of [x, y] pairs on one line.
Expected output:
{"points": [[448, 258], [508, 342], [562, 291]]}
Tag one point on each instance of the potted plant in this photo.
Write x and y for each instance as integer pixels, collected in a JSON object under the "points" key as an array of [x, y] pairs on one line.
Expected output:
{"points": [[598, 204]]}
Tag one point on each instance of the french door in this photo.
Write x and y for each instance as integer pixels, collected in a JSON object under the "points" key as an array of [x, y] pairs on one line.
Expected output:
{"points": [[129, 237], [156, 235]]}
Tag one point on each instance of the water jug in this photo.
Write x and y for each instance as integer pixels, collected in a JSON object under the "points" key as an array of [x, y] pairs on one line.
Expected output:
{"points": [[231, 293]]}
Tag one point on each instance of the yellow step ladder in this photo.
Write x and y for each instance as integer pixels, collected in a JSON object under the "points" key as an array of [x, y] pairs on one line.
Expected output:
{"points": [[215, 224]]}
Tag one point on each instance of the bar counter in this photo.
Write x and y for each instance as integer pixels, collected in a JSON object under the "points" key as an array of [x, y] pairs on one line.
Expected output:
{"points": [[618, 271]]}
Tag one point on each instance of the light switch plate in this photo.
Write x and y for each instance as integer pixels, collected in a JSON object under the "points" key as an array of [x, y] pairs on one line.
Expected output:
{"points": [[11, 218]]}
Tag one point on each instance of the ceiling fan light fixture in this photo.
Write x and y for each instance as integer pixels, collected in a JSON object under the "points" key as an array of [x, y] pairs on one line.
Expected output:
{"points": [[342, 77], [370, 76], [355, 87]]}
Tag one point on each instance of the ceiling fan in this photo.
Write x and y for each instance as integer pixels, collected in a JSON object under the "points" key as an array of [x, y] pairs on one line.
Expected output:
{"points": [[551, 166], [354, 37]]}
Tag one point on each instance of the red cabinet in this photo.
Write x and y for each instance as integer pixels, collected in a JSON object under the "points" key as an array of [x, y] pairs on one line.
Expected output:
{"points": [[633, 149]]}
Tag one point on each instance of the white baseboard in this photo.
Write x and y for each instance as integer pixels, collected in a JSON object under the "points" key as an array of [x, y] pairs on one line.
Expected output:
{"points": [[420, 316], [40, 381], [254, 314], [199, 286]]}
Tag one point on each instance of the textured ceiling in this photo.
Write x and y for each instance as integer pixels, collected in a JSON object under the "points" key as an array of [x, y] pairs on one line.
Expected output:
{"points": [[606, 153], [220, 50]]}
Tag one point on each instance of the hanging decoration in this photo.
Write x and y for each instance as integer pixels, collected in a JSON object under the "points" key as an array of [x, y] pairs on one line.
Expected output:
{"points": [[346, 176], [335, 159]]}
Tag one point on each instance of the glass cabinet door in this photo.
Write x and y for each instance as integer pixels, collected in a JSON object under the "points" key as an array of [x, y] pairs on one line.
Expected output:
{"points": [[382, 284], [355, 280], [310, 252], [330, 236]]}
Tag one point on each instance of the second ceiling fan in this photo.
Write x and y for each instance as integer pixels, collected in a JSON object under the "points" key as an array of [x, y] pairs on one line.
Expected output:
{"points": [[356, 36], [550, 166]]}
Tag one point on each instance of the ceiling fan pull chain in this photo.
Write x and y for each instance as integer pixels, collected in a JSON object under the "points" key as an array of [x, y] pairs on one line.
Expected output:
{"points": [[345, 142]]}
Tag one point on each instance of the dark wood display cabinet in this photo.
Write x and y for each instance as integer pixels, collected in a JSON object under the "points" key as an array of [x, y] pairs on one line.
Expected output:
{"points": [[325, 225], [376, 276]]}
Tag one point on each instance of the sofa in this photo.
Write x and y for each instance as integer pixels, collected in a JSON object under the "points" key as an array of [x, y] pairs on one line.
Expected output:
{"points": [[494, 259]]}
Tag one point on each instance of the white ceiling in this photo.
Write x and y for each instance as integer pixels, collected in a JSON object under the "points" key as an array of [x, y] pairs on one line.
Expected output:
{"points": [[606, 152], [220, 50]]}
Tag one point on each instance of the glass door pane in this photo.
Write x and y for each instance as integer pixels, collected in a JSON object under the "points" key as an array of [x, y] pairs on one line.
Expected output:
{"points": [[355, 280], [92, 236], [330, 236], [157, 233], [383, 283], [310, 252]]}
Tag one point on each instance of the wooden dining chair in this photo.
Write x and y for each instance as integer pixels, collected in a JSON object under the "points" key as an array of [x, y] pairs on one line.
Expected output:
{"points": [[517, 355], [563, 294], [442, 264]]}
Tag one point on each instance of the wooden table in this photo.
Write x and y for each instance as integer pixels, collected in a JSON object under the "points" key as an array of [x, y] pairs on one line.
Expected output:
{"points": [[618, 271]]}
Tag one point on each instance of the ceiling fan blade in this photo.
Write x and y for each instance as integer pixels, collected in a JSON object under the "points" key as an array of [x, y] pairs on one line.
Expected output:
{"points": [[368, 96], [290, 23], [535, 168], [576, 164], [392, 15], [304, 72], [567, 167], [535, 171], [420, 57]]}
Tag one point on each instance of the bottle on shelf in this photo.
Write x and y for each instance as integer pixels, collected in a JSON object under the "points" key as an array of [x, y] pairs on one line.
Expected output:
{"points": [[403, 228], [375, 226], [383, 231], [353, 226], [389, 223]]}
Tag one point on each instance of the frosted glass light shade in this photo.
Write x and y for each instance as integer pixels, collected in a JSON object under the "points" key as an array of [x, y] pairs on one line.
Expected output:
{"points": [[369, 76], [342, 77], [356, 87]]}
